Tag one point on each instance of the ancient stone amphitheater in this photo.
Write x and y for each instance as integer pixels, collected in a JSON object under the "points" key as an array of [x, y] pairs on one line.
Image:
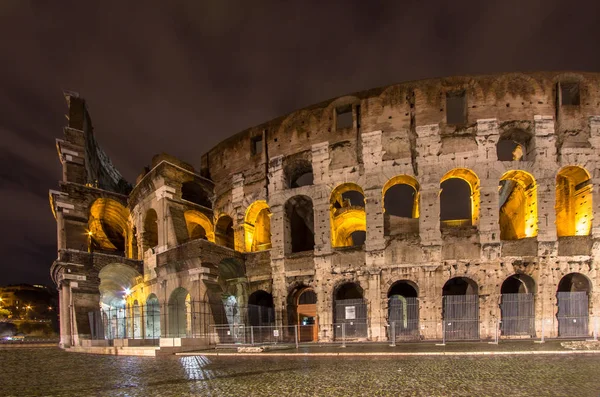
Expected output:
{"points": [[443, 209]]}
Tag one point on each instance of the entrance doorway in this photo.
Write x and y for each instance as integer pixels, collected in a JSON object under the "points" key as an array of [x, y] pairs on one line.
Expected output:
{"points": [[350, 312], [306, 309], [403, 311], [573, 305], [517, 306], [461, 309]]}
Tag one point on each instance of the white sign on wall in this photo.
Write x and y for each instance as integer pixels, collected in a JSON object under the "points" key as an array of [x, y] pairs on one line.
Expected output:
{"points": [[350, 312]]}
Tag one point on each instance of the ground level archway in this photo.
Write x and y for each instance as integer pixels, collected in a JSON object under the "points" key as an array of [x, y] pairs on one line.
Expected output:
{"points": [[572, 299], [152, 317], [349, 312], [180, 313], [517, 310], [403, 311], [460, 311]]}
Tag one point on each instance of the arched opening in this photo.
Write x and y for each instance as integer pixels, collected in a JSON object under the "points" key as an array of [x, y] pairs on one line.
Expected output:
{"points": [[347, 214], [299, 173], [302, 311], [517, 205], [514, 145], [460, 310], [261, 311], [517, 306], [257, 227], [180, 313], [459, 199], [150, 236], [107, 226], [350, 312], [116, 281], [224, 232], [574, 211], [198, 226], [195, 193], [573, 305], [403, 311], [299, 225], [401, 205], [152, 317]]}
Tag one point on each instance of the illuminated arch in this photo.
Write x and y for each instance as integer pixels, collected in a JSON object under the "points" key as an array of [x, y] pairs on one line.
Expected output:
{"points": [[198, 225], [346, 217], [116, 281], [108, 225], [472, 180], [257, 227], [517, 205], [573, 202], [224, 235], [403, 180]]}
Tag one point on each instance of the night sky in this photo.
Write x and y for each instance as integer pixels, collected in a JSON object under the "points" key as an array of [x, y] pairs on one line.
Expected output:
{"points": [[180, 76]]}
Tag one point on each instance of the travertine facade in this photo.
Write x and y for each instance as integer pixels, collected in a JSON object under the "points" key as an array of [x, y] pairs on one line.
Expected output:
{"points": [[253, 218]]}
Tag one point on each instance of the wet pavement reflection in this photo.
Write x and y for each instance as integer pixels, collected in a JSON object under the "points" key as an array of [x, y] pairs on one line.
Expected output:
{"points": [[52, 372]]}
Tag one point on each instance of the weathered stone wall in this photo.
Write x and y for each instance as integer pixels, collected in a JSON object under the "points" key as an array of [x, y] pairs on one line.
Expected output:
{"points": [[397, 130]]}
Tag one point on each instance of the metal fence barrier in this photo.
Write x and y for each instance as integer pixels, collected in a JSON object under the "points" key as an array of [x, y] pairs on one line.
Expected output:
{"points": [[221, 323]]}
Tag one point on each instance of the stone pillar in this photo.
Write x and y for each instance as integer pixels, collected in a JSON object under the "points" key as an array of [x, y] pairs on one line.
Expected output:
{"points": [[595, 172], [374, 213], [487, 139], [64, 303], [324, 297], [278, 231], [322, 227], [545, 158], [373, 297], [277, 180], [320, 162], [545, 139], [237, 200], [429, 218], [61, 239], [166, 234]]}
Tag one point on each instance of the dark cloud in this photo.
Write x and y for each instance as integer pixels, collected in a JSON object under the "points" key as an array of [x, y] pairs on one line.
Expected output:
{"points": [[181, 76]]}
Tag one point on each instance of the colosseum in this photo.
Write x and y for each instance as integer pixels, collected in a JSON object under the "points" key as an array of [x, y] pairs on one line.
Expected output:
{"points": [[458, 208]]}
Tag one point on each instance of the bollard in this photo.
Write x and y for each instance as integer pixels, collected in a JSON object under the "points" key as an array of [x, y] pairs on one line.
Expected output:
{"points": [[542, 336], [443, 334], [495, 342], [393, 334], [296, 334], [252, 336], [343, 334]]}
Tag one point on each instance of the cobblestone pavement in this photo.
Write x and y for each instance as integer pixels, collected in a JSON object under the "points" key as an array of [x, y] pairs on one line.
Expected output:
{"points": [[52, 372]]}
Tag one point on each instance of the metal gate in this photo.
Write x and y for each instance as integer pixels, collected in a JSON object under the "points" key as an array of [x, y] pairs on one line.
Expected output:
{"points": [[461, 317], [518, 315], [572, 314], [403, 315], [352, 313]]}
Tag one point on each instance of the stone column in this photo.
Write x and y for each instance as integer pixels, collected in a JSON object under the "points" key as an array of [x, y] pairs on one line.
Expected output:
{"points": [[487, 139], [545, 158], [64, 303], [595, 172], [277, 181], [376, 327], [166, 233], [237, 199], [429, 218], [320, 162]]}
